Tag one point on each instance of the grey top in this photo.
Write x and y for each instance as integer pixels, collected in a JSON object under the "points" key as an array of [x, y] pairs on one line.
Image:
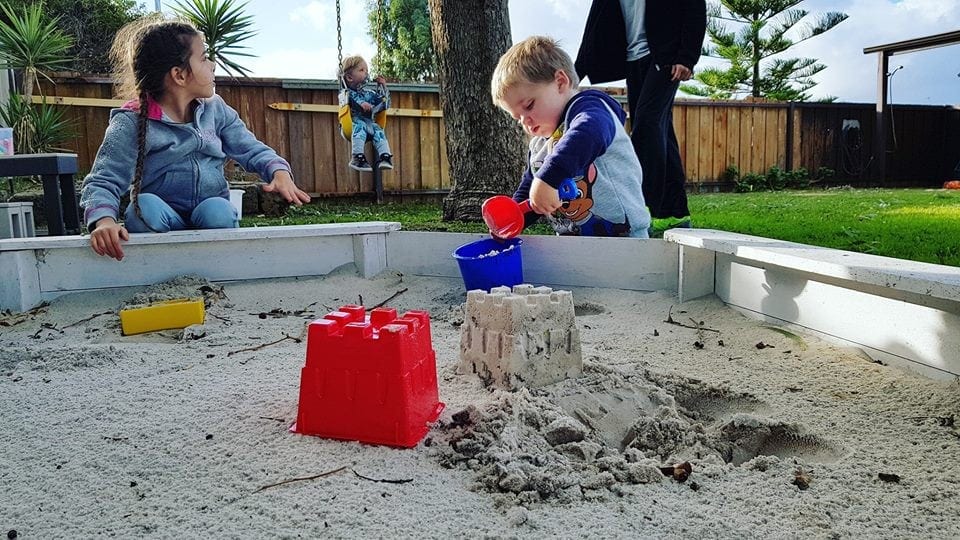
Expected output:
{"points": [[637, 46]]}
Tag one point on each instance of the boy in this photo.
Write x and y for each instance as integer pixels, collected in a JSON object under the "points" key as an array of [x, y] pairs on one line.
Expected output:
{"points": [[575, 134]]}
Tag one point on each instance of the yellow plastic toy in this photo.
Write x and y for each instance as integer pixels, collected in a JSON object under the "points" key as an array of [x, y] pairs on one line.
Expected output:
{"points": [[179, 313], [343, 115]]}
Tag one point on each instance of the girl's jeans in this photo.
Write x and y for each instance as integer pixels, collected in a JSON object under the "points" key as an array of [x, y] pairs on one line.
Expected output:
{"points": [[212, 213]]}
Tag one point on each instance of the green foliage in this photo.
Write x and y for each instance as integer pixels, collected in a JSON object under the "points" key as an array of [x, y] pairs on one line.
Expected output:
{"points": [[913, 224], [775, 179], [91, 23], [224, 25], [762, 29], [32, 42], [404, 42], [38, 128]]}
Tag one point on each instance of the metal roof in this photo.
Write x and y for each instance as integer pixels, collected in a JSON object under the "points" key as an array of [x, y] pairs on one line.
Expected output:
{"points": [[917, 44]]}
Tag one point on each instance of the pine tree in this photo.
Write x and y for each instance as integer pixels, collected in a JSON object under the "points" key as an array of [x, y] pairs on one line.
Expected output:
{"points": [[402, 30], [761, 30]]}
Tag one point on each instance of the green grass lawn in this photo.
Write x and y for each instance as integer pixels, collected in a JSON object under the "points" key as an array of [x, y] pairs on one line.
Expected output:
{"points": [[915, 224]]}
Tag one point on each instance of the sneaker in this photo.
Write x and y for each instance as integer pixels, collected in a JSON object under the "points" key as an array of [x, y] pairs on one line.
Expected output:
{"points": [[386, 161], [659, 225], [360, 163]]}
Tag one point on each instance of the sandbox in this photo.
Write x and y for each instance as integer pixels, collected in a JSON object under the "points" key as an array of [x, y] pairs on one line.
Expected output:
{"points": [[689, 419]]}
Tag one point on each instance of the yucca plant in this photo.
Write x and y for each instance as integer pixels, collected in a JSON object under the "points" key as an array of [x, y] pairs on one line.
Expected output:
{"points": [[33, 43], [38, 128], [224, 25]]}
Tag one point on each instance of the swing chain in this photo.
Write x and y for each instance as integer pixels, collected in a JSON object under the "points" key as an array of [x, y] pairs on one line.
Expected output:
{"points": [[339, 40], [379, 37]]}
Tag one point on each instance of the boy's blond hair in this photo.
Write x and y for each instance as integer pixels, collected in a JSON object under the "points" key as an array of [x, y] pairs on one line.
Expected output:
{"points": [[533, 60], [350, 63]]}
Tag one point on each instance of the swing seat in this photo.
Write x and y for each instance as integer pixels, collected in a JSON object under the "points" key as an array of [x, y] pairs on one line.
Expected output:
{"points": [[346, 122]]}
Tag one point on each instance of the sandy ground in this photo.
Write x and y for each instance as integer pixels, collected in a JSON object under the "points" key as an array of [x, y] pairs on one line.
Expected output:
{"points": [[185, 433]]}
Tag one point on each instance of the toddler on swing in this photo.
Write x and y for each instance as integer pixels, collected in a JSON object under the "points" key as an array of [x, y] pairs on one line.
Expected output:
{"points": [[365, 102]]}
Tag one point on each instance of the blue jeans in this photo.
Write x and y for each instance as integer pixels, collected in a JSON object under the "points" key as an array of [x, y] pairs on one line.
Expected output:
{"points": [[212, 213], [650, 94], [364, 127]]}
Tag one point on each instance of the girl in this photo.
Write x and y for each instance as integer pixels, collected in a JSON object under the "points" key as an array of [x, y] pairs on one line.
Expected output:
{"points": [[169, 144]]}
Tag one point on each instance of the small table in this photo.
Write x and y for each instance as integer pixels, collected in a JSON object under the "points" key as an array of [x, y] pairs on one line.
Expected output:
{"points": [[59, 196]]}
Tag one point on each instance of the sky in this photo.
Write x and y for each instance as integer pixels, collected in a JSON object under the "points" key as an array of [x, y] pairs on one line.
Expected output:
{"points": [[297, 39]]}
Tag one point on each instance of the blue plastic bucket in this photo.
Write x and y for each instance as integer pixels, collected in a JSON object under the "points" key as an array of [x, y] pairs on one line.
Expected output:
{"points": [[488, 263]]}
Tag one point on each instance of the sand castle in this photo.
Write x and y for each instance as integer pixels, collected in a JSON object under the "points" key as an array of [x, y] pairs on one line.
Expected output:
{"points": [[526, 337]]}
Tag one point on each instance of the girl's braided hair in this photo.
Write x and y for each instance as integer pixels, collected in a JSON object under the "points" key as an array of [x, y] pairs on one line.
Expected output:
{"points": [[143, 52]]}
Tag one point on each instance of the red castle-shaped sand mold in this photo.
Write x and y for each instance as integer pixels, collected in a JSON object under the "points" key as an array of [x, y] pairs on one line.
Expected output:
{"points": [[371, 378]]}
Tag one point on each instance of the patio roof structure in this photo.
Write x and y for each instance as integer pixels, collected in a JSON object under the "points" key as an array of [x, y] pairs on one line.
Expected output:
{"points": [[884, 52]]}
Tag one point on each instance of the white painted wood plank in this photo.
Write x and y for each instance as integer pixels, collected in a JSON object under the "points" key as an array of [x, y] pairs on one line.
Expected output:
{"points": [[923, 338], [897, 275], [696, 273], [73, 269], [370, 253], [210, 235], [618, 263], [565, 261], [19, 281], [427, 253]]}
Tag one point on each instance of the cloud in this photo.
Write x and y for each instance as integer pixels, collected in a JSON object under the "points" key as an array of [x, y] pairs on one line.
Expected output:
{"points": [[314, 14], [296, 64], [568, 10]]}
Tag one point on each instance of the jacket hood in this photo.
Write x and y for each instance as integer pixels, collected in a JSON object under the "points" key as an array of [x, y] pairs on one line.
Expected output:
{"points": [[154, 111], [614, 105]]}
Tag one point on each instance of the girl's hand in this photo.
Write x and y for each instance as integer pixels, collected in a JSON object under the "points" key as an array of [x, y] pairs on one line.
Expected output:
{"points": [[283, 185], [105, 238], [544, 199], [366, 106]]}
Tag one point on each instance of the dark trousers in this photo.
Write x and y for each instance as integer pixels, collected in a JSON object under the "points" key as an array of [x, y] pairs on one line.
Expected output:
{"points": [[650, 94]]}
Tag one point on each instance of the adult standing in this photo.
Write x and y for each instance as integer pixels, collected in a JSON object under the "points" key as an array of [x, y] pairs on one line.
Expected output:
{"points": [[654, 45]]}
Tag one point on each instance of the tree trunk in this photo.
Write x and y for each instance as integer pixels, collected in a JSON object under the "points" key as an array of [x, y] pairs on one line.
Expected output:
{"points": [[29, 76], [485, 147]]}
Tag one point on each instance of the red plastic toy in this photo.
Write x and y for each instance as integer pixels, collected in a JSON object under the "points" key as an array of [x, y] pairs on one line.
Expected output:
{"points": [[505, 216], [371, 378]]}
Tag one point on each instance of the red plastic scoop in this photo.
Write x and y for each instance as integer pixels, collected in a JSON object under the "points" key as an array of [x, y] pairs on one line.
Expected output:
{"points": [[504, 216]]}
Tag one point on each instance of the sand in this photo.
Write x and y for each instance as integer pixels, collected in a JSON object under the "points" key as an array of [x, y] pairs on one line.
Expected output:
{"points": [[725, 427]]}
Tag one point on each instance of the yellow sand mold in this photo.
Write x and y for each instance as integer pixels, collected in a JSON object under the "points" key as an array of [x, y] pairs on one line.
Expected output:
{"points": [[165, 315]]}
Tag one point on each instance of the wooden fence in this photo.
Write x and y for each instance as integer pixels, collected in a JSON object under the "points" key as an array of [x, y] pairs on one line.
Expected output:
{"points": [[924, 143]]}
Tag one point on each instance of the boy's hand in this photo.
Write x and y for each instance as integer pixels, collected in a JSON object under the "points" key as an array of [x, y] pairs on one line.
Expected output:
{"points": [[544, 198], [366, 106], [283, 185], [381, 80], [106, 236]]}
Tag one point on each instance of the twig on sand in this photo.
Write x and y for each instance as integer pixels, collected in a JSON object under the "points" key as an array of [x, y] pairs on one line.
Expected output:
{"points": [[90, 318], [383, 480], [280, 420], [8, 318], [45, 326], [697, 327], [301, 479], [262, 345], [392, 296]]}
